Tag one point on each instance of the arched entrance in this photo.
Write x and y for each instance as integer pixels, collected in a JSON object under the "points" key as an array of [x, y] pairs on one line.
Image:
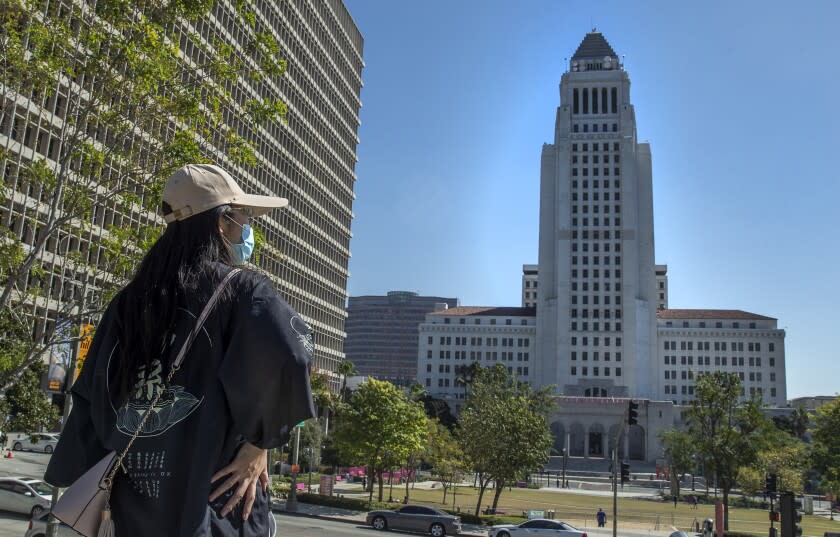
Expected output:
{"points": [[637, 443], [596, 440], [576, 440], [558, 432], [611, 441]]}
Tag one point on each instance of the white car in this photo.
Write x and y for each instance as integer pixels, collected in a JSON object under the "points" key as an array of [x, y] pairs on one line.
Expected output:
{"points": [[24, 495], [38, 527], [43, 442], [536, 527]]}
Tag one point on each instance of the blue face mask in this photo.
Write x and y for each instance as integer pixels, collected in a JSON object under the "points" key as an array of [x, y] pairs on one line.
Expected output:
{"points": [[241, 252]]}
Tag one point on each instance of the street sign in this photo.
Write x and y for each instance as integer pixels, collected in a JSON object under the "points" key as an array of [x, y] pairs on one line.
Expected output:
{"points": [[300, 425]]}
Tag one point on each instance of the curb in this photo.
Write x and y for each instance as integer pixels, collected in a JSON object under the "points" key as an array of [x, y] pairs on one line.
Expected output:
{"points": [[349, 521]]}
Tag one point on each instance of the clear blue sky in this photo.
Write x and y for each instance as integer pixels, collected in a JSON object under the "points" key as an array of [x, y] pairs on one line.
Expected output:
{"points": [[739, 100]]}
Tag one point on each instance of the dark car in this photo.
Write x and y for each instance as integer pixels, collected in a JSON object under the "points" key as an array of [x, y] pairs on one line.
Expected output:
{"points": [[419, 518]]}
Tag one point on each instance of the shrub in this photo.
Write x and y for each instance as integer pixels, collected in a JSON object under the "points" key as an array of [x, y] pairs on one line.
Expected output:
{"points": [[355, 504]]}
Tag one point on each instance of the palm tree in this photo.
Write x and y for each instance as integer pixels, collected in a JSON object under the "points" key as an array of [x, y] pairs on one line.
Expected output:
{"points": [[346, 369], [466, 375]]}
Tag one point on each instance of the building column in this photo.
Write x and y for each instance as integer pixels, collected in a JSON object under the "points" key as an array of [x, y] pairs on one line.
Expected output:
{"points": [[586, 444], [627, 444]]}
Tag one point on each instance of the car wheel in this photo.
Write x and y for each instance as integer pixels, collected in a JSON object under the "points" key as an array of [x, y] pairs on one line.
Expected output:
{"points": [[379, 523], [18, 446], [437, 530], [37, 511], [503, 534], [48, 450]]}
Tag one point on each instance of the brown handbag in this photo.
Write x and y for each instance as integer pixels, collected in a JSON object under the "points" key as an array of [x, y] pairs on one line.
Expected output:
{"points": [[85, 505]]}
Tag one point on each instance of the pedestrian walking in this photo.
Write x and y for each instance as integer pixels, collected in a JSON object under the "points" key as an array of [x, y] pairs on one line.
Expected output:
{"points": [[602, 518], [203, 424]]}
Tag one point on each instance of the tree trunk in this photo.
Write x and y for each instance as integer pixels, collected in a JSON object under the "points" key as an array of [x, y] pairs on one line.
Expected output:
{"points": [[726, 509], [379, 480], [370, 484], [407, 482], [444, 492], [482, 485], [500, 486]]}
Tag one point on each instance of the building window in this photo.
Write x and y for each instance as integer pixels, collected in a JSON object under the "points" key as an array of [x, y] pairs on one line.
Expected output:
{"points": [[614, 105], [574, 370], [575, 101]]}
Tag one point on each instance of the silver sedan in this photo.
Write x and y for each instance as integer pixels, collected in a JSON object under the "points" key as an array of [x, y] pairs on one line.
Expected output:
{"points": [[538, 527], [417, 518]]}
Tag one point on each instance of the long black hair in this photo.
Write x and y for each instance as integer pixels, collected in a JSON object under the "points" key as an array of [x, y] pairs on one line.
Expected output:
{"points": [[185, 255]]}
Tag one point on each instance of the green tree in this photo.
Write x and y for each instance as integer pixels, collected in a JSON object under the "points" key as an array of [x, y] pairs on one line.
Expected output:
{"points": [[727, 435], [311, 439], [379, 428], [445, 456], [504, 429], [796, 424], [787, 458], [132, 110], [679, 453], [826, 446], [346, 369], [26, 406]]}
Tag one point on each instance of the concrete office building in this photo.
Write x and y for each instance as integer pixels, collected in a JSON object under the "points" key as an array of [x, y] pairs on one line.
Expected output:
{"points": [[382, 333], [529, 285], [698, 342], [453, 338], [311, 160], [661, 287], [596, 310]]}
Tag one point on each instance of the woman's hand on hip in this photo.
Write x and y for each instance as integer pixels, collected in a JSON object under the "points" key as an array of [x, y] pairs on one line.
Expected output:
{"points": [[246, 470]]}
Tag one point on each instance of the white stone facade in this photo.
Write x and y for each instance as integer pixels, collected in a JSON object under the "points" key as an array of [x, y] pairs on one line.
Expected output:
{"points": [[697, 342], [597, 304], [661, 287], [529, 285], [454, 338]]}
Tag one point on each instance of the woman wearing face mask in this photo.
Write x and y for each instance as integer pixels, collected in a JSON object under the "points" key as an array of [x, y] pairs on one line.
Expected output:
{"points": [[198, 464]]}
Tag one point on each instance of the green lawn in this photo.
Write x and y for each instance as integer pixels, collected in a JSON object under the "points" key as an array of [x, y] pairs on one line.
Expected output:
{"points": [[580, 510]]}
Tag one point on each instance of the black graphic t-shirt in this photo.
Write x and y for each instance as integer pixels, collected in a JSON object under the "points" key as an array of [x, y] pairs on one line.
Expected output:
{"points": [[246, 378]]}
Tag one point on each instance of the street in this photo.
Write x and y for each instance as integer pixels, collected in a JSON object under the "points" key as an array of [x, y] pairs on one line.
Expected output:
{"points": [[15, 526], [24, 464]]}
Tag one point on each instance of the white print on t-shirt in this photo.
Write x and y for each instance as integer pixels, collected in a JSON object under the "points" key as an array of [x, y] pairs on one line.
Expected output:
{"points": [[304, 334], [146, 469], [175, 403]]}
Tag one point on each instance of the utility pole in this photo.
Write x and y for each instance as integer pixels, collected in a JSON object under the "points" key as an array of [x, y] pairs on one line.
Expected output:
{"points": [[291, 503], [69, 378]]}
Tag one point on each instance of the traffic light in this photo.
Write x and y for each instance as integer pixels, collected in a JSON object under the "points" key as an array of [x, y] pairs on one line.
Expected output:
{"points": [[633, 413], [791, 517], [625, 472], [770, 483]]}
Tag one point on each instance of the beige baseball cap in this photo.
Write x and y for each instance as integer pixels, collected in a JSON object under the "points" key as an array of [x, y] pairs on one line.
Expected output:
{"points": [[196, 188]]}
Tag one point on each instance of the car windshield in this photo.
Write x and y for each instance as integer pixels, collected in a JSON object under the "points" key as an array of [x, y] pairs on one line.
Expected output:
{"points": [[40, 487]]}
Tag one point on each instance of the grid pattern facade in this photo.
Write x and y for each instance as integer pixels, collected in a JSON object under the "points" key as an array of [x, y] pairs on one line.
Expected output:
{"points": [[595, 309], [452, 340], [382, 333], [661, 287], [529, 285], [311, 160], [690, 347]]}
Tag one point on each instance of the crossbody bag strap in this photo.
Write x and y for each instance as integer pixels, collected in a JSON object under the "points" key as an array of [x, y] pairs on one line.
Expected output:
{"points": [[176, 365]]}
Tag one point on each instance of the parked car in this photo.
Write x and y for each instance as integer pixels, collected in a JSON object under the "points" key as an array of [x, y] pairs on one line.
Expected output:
{"points": [[38, 527], [535, 527], [43, 442], [24, 495], [417, 518]]}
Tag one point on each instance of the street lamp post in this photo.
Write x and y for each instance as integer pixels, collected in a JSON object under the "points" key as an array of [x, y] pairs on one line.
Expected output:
{"points": [[309, 467], [693, 470]]}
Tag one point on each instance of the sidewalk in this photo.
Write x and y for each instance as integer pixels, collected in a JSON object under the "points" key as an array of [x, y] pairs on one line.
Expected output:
{"points": [[354, 517]]}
